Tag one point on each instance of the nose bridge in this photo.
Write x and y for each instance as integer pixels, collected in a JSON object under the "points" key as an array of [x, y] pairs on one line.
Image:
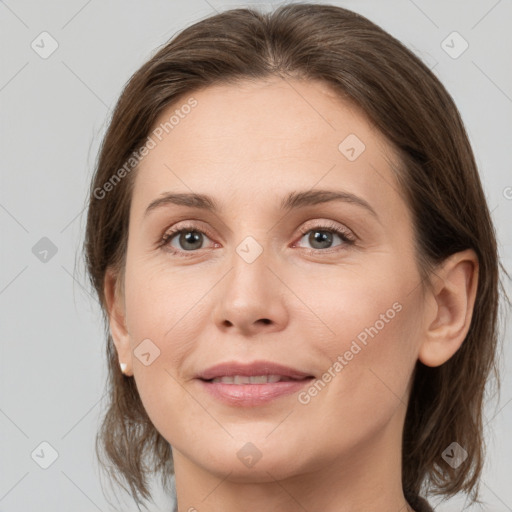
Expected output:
{"points": [[249, 263], [248, 299]]}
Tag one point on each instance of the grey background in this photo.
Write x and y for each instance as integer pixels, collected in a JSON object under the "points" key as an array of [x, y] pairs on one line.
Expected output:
{"points": [[53, 115]]}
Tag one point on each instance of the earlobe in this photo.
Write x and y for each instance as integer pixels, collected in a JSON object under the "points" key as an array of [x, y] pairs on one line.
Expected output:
{"points": [[453, 294], [117, 320]]}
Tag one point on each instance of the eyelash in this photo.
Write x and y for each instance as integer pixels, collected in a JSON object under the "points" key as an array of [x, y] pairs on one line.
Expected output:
{"points": [[345, 236]]}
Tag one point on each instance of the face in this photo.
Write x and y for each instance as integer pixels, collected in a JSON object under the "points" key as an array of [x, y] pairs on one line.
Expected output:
{"points": [[323, 283]]}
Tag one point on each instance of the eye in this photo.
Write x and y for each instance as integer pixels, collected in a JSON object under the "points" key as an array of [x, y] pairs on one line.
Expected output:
{"points": [[183, 239], [321, 236], [186, 240]]}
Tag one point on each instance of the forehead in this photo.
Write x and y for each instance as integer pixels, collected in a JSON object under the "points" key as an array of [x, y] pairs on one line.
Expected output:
{"points": [[254, 139]]}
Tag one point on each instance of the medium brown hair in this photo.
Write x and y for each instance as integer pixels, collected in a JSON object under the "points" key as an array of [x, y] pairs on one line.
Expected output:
{"points": [[437, 174]]}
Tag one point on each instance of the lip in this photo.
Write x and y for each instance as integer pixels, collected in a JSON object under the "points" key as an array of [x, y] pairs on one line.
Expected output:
{"points": [[251, 395], [231, 368]]}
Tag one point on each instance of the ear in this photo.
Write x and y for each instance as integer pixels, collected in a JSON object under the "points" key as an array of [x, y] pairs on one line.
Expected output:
{"points": [[454, 292], [117, 319]]}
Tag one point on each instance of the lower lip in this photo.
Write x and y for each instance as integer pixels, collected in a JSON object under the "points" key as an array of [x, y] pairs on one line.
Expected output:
{"points": [[250, 395]]}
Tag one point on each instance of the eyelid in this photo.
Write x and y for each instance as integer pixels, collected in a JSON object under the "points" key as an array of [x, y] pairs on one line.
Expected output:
{"points": [[326, 224], [191, 225]]}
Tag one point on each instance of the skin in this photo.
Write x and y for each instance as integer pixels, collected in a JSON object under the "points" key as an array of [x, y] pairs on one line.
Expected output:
{"points": [[248, 146]]}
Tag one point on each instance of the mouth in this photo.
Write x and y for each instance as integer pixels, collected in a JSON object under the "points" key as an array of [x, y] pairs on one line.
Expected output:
{"points": [[254, 379], [253, 384], [242, 373]]}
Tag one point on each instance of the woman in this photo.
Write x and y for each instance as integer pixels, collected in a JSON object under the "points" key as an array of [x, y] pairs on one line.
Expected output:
{"points": [[298, 269]]}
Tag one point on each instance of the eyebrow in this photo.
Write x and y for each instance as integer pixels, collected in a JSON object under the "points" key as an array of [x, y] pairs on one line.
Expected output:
{"points": [[294, 200]]}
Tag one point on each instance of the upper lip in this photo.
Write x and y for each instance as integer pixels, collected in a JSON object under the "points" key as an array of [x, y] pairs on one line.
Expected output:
{"points": [[232, 368]]}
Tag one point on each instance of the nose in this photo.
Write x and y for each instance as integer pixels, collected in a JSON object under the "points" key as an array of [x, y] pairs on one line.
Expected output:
{"points": [[251, 298]]}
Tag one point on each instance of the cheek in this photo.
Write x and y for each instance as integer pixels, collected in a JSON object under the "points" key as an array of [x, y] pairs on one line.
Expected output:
{"points": [[159, 310], [160, 300], [371, 359], [373, 333], [165, 317]]}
